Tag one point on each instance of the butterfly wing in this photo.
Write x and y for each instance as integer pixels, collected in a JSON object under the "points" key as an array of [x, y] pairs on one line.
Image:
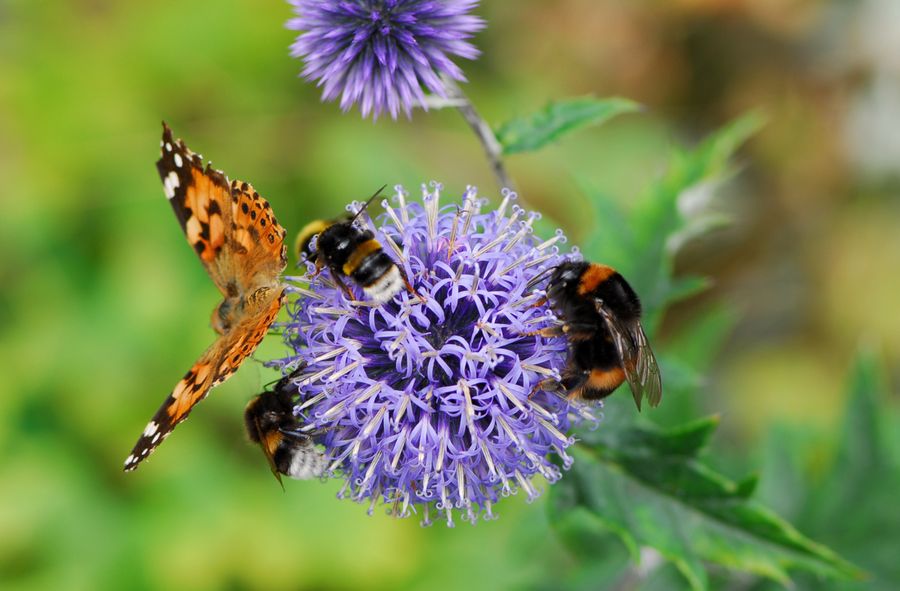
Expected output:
{"points": [[215, 366], [202, 202], [241, 245], [638, 360], [230, 226], [257, 252]]}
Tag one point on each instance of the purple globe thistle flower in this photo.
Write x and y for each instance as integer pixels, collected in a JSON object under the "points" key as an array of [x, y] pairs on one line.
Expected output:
{"points": [[425, 404], [380, 53]]}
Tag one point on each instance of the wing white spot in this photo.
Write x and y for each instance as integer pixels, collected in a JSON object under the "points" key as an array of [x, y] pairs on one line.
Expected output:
{"points": [[171, 183], [168, 147], [129, 460], [151, 429], [155, 439], [178, 161]]}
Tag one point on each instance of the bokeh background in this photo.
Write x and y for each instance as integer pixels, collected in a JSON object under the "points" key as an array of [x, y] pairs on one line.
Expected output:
{"points": [[103, 306]]}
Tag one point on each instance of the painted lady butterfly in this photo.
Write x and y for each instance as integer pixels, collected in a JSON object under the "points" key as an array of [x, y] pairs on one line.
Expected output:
{"points": [[241, 245]]}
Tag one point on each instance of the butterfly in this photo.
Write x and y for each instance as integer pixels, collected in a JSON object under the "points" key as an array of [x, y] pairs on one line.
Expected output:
{"points": [[241, 245]]}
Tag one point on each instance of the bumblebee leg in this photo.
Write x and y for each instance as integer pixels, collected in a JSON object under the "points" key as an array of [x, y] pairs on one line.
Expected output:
{"points": [[576, 331], [540, 302], [296, 434], [601, 308], [320, 264], [548, 385], [547, 332], [343, 286], [306, 435], [409, 286]]}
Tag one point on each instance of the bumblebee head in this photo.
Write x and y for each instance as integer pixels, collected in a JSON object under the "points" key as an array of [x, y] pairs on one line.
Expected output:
{"points": [[337, 242], [305, 236], [565, 278]]}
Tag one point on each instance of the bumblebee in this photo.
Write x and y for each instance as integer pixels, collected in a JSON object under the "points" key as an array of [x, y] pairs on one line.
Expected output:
{"points": [[350, 251], [601, 319], [270, 422], [303, 242]]}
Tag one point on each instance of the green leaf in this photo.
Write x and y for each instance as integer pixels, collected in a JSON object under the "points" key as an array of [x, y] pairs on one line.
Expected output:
{"points": [[699, 342], [643, 241], [682, 288], [526, 134], [862, 454], [612, 242], [852, 506], [695, 228], [647, 486], [650, 488]]}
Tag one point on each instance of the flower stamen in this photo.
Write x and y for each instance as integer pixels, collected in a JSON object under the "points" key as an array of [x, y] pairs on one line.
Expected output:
{"points": [[427, 404]]}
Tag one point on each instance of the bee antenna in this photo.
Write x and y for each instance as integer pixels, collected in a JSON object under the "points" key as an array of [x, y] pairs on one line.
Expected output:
{"points": [[309, 434], [538, 278], [297, 370], [366, 204], [267, 384]]}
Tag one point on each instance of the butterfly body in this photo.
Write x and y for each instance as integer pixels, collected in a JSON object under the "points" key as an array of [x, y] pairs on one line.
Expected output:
{"points": [[241, 245]]}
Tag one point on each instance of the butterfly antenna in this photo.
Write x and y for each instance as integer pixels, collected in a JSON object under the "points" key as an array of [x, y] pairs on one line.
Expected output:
{"points": [[366, 204]]}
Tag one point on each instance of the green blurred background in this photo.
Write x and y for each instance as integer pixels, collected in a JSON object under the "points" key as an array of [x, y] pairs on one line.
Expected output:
{"points": [[103, 306]]}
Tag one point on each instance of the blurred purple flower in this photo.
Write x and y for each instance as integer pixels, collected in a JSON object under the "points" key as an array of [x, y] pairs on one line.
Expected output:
{"points": [[380, 53], [426, 405]]}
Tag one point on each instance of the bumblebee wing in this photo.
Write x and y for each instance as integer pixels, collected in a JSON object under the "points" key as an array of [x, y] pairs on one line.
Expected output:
{"points": [[638, 360], [643, 372], [265, 444]]}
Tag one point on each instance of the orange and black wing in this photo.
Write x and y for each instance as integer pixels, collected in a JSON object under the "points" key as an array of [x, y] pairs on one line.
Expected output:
{"points": [[202, 202], [638, 360], [216, 365], [241, 245], [257, 254], [230, 226]]}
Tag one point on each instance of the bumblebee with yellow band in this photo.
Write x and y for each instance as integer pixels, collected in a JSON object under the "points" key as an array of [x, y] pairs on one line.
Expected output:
{"points": [[350, 251], [306, 234]]}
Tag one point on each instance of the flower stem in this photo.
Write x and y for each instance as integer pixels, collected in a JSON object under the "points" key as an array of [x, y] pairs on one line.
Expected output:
{"points": [[492, 148]]}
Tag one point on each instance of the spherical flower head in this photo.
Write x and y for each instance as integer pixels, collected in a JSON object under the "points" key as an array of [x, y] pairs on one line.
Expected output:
{"points": [[381, 53], [426, 401]]}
